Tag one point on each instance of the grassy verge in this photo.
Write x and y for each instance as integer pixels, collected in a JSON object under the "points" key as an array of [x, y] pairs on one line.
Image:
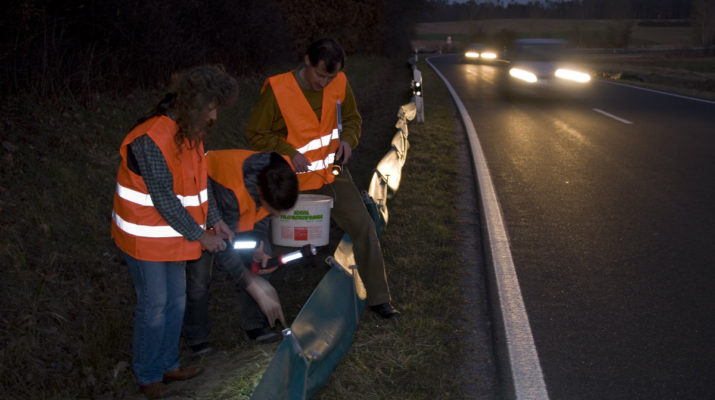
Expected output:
{"points": [[423, 355], [417, 357], [686, 75], [67, 300]]}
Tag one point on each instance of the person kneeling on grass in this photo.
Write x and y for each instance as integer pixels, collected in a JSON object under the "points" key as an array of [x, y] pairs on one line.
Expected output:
{"points": [[247, 186]]}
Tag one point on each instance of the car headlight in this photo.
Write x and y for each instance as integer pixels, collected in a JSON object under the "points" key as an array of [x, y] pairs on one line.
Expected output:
{"points": [[523, 75], [572, 75], [471, 54], [488, 55]]}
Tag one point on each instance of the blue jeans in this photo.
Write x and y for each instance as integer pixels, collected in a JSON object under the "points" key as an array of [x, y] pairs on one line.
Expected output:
{"points": [[161, 297]]}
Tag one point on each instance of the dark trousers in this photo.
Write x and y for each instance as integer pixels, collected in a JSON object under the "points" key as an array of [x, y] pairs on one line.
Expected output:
{"points": [[351, 215], [197, 324]]}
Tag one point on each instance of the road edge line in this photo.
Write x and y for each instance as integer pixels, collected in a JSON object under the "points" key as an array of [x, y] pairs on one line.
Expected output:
{"points": [[520, 365]]}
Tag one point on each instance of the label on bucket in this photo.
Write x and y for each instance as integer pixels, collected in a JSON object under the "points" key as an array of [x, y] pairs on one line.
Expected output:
{"points": [[301, 232], [307, 222]]}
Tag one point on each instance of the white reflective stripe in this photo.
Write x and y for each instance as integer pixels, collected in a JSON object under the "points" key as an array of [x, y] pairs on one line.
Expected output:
{"points": [[322, 141], [322, 164], [150, 231], [194, 201], [144, 199]]}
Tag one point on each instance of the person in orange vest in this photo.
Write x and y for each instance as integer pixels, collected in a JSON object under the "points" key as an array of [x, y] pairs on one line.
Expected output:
{"points": [[297, 115], [247, 187], [162, 215]]}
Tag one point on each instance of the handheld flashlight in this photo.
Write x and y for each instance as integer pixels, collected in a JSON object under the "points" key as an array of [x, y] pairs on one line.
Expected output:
{"points": [[286, 258], [338, 163], [242, 244]]}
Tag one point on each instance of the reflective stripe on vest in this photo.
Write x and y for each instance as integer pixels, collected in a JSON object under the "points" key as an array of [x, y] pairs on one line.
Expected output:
{"points": [[143, 199], [322, 142], [316, 138], [149, 231], [137, 227]]}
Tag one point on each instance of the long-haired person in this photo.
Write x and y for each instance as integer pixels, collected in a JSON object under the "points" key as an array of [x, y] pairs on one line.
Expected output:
{"points": [[163, 216]]}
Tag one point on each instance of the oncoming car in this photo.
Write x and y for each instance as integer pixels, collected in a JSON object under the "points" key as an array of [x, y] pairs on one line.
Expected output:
{"points": [[477, 52], [544, 67]]}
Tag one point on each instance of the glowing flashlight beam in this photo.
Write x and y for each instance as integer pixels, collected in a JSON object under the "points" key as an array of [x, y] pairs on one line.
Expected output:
{"points": [[244, 244], [292, 256]]}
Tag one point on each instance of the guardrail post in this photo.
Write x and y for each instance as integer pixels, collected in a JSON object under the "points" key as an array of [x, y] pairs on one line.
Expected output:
{"points": [[417, 92]]}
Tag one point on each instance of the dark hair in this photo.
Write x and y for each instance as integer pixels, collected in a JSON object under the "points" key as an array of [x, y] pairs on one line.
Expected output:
{"points": [[278, 183], [190, 92], [329, 52]]}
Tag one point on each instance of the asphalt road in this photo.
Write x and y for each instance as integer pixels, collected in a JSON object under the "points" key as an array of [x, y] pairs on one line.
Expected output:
{"points": [[609, 204]]}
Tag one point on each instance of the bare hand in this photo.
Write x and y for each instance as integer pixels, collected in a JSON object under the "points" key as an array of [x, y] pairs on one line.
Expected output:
{"points": [[344, 152], [300, 163], [260, 257], [223, 231], [212, 242], [267, 299]]}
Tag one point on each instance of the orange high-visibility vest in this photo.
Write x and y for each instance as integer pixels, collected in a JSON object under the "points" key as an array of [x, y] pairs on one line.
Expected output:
{"points": [[316, 139], [137, 227], [226, 168]]}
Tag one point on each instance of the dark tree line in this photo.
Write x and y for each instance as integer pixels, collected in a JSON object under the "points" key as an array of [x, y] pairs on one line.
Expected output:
{"points": [[586, 9], [698, 14], [80, 47]]}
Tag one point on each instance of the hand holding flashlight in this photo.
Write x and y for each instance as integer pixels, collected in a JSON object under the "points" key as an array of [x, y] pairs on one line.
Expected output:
{"points": [[273, 263], [300, 163]]}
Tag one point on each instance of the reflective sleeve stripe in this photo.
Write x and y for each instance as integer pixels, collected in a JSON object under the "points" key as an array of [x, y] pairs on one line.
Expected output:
{"points": [[144, 199], [159, 231], [319, 142]]}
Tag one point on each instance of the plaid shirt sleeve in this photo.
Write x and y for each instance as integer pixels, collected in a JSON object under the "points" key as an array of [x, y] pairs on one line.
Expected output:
{"points": [[159, 182], [214, 212]]}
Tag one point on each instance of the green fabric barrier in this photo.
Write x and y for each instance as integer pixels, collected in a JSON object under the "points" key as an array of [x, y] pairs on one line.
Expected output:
{"points": [[316, 341]]}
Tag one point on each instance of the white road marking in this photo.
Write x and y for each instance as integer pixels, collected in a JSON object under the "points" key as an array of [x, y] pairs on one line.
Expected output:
{"points": [[625, 121], [526, 377]]}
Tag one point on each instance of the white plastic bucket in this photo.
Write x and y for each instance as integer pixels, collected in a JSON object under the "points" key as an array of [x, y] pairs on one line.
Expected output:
{"points": [[308, 222]]}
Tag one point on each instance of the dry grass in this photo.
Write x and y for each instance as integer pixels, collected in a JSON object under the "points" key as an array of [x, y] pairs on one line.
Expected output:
{"points": [[681, 74], [67, 299]]}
